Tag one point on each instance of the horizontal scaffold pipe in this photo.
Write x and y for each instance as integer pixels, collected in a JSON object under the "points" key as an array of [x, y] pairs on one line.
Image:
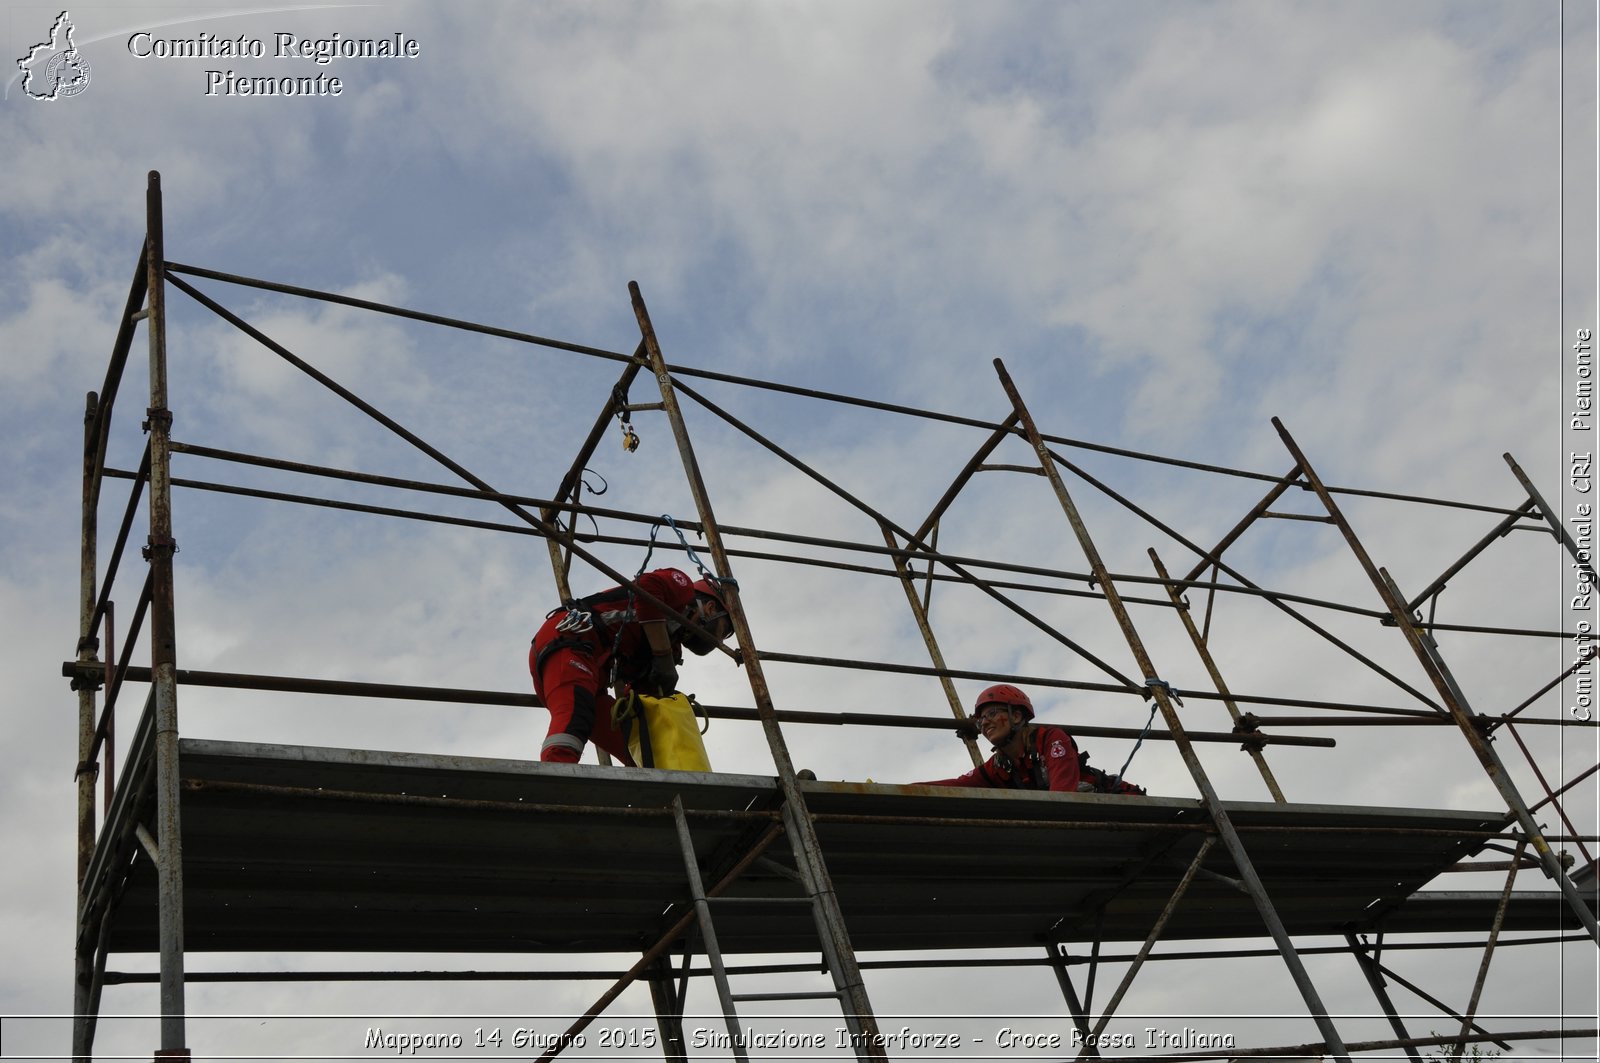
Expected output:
{"points": [[909, 554], [1430, 720], [1076, 684], [642, 518], [789, 389], [911, 411], [457, 695], [319, 793], [522, 529], [397, 311], [1391, 944]]}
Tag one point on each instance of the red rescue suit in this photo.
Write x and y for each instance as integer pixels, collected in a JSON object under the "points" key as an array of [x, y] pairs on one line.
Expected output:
{"points": [[1049, 762], [576, 650]]}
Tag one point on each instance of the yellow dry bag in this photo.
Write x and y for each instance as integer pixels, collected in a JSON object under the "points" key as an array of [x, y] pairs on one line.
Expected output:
{"points": [[662, 732]]}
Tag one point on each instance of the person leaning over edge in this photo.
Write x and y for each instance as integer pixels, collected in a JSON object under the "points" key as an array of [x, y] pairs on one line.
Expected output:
{"points": [[1028, 755], [616, 638]]}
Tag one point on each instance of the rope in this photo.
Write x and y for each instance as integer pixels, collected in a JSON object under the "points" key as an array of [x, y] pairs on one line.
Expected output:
{"points": [[700, 566], [1150, 687]]}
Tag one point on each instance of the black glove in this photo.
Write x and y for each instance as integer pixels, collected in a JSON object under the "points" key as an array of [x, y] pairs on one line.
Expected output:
{"points": [[663, 675]]}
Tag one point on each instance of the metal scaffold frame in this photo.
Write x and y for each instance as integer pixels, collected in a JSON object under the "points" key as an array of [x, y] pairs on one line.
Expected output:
{"points": [[138, 820]]}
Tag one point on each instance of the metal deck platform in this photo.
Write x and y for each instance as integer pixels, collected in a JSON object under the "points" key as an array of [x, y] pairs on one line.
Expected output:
{"points": [[292, 848]]}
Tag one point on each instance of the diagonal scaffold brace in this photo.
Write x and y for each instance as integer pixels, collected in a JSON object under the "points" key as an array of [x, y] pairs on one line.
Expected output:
{"points": [[1450, 692], [1214, 807]]}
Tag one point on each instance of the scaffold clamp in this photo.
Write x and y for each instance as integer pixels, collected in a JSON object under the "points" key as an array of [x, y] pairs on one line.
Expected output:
{"points": [[1152, 685], [1248, 728]]}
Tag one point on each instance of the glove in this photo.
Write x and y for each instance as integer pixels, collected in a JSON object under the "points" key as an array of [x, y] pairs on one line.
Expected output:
{"points": [[967, 728], [663, 675]]}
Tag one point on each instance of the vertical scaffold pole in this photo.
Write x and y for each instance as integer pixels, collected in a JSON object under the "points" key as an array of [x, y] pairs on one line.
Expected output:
{"points": [[1450, 692], [90, 943], [1219, 814], [163, 644], [803, 835], [89, 589], [1056, 953], [561, 553]]}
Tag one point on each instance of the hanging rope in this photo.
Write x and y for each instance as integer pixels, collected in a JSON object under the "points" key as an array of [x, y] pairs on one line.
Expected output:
{"points": [[583, 485], [700, 566], [1150, 687]]}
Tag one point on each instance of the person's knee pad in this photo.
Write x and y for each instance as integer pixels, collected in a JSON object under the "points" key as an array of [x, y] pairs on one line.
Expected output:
{"points": [[581, 726]]}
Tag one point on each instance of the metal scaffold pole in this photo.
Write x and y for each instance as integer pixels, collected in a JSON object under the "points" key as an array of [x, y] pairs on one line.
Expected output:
{"points": [[803, 835], [1159, 691], [84, 960], [1204, 651], [1450, 692], [163, 647]]}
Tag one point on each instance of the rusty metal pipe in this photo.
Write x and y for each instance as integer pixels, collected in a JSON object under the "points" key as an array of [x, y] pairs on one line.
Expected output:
{"points": [[1550, 797], [1433, 665], [1488, 953], [662, 944], [1158, 690], [1551, 517], [882, 520], [806, 846], [1211, 558], [164, 640], [1204, 652], [1499, 531], [1150, 940]]}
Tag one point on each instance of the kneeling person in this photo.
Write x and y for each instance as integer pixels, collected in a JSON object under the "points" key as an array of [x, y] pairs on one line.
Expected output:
{"points": [[1028, 755]]}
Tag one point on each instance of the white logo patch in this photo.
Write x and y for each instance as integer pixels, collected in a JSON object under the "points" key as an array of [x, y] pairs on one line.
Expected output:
{"points": [[1058, 748]]}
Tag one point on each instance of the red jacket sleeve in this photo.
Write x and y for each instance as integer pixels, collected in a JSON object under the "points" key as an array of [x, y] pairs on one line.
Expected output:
{"points": [[978, 776], [1060, 755]]}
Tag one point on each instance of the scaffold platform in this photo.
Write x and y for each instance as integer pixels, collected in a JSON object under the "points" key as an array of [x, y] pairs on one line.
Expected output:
{"points": [[293, 848]]}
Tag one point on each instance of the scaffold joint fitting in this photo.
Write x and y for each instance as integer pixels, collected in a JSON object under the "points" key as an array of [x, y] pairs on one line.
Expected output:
{"points": [[164, 546]]}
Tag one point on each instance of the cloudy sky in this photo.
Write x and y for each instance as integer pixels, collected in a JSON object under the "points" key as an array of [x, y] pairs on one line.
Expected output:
{"points": [[1171, 222]]}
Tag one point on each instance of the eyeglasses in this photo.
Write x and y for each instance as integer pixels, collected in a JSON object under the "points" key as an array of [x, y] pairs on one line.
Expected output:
{"points": [[994, 708]]}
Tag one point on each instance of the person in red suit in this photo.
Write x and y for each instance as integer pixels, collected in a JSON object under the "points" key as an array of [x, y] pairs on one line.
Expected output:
{"points": [[1027, 755], [619, 640]]}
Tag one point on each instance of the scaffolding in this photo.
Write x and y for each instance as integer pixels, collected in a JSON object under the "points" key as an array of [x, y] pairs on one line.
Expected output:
{"points": [[191, 847]]}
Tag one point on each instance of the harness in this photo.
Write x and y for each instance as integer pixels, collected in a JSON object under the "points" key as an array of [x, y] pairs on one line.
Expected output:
{"points": [[1031, 757], [589, 624], [1100, 781]]}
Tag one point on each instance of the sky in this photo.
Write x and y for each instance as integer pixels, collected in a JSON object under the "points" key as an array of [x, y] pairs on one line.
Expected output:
{"points": [[1171, 222]]}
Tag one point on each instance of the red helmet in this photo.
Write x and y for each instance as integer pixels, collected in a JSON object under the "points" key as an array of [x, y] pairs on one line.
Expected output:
{"points": [[705, 589], [1004, 694]]}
